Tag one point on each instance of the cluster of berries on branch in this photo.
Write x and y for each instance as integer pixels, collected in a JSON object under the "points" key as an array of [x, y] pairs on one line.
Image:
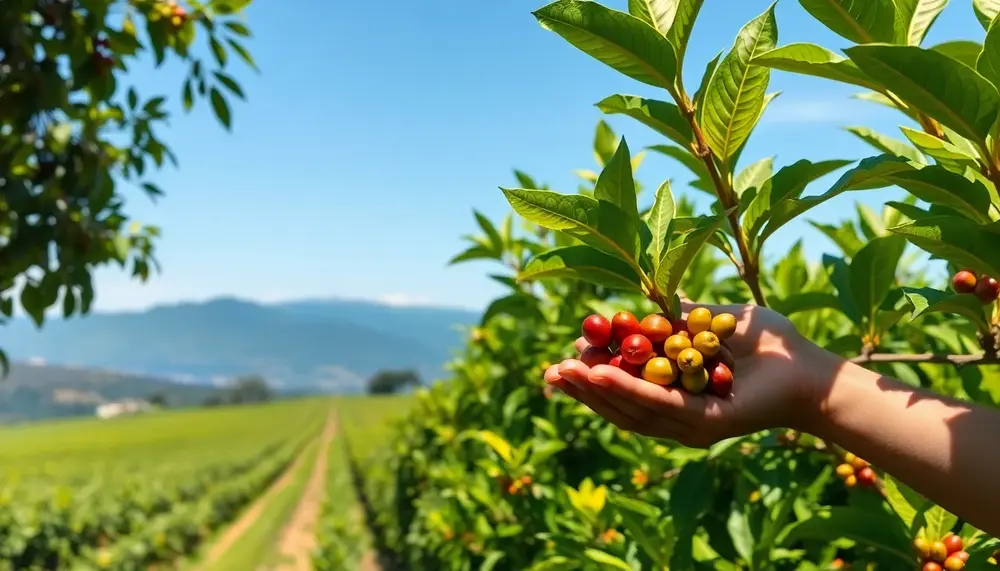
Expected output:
{"points": [[947, 554], [985, 287], [856, 471], [662, 351]]}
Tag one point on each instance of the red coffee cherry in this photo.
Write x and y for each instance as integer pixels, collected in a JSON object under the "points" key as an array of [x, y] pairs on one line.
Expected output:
{"points": [[594, 356], [624, 324], [987, 289], [597, 330], [867, 476], [722, 380], [637, 349], [963, 282], [953, 543], [931, 566], [656, 328], [618, 361]]}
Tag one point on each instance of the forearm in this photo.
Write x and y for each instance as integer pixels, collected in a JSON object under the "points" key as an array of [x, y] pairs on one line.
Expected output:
{"points": [[942, 448]]}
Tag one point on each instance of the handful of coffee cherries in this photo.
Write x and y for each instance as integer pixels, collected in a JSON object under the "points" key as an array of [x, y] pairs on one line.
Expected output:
{"points": [[662, 351]]}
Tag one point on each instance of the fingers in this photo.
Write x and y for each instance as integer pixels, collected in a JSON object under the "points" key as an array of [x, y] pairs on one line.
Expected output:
{"points": [[571, 376], [652, 397], [581, 345]]}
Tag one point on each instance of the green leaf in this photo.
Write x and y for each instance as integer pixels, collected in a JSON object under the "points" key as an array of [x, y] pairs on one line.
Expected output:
{"points": [[188, 95], [735, 95], [474, 253], [691, 495], [840, 277], [605, 143], [870, 527], [218, 51], [946, 155], [754, 175], [934, 83], [916, 17], [810, 59], [930, 300], [680, 31], [619, 40], [965, 51], [862, 22], [787, 184], [887, 144], [739, 531], [220, 107], [518, 305], [598, 223], [606, 560], [243, 53], [659, 220], [699, 94], [903, 501], [582, 263], [986, 11], [938, 521], [806, 301], [616, 183], [937, 185], [873, 271], [675, 261], [230, 84], [957, 240], [657, 13], [238, 28], [988, 62], [664, 118]]}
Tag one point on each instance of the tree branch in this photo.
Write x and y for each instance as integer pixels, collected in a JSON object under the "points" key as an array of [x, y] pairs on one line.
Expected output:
{"points": [[938, 358]]}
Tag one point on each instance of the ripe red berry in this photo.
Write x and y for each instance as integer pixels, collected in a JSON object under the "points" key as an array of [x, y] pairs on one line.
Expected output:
{"points": [[594, 356], [637, 349], [656, 328], [597, 330], [931, 566], [987, 289], [867, 476], [963, 282], [953, 543], [722, 380], [624, 324], [618, 361]]}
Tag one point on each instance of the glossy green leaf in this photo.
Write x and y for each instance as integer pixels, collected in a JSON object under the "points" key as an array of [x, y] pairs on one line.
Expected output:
{"points": [[965, 51], [806, 301], [955, 239], [598, 223], [243, 53], [220, 107], [916, 17], [691, 495], [887, 144], [230, 84], [735, 95], [218, 51], [754, 175], [740, 533], [619, 40], [934, 83], [936, 185], [937, 522], [861, 21], [988, 62], [675, 261], [699, 94], [986, 11], [811, 59], [616, 183], [664, 118], [930, 300], [518, 305], [582, 263], [605, 143], [904, 501], [946, 155], [606, 560], [680, 31], [474, 253], [659, 220], [873, 272], [869, 527], [840, 277], [657, 13]]}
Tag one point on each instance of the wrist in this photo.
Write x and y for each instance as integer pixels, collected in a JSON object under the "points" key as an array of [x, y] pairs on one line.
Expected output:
{"points": [[819, 375]]}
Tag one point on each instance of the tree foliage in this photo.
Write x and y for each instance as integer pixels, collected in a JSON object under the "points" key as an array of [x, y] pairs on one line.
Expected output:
{"points": [[392, 381]]}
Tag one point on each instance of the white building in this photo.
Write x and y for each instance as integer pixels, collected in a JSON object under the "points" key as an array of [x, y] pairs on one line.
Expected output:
{"points": [[123, 407]]}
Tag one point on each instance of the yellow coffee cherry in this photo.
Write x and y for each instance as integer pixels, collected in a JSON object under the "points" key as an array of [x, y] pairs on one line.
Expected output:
{"points": [[690, 361], [724, 325], [674, 345], [707, 343], [700, 319]]}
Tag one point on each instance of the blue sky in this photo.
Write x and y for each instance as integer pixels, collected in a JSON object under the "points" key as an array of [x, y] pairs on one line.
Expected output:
{"points": [[371, 134]]}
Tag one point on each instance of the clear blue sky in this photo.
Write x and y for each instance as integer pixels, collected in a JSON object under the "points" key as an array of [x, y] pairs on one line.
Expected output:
{"points": [[371, 134]]}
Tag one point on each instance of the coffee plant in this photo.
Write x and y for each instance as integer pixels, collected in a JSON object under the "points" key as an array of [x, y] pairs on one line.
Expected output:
{"points": [[74, 134], [492, 470]]}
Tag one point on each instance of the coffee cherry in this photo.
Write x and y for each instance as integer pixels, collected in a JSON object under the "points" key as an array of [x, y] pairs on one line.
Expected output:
{"points": [[618, 361], [931, 566], [963, 555], [656, 328], [954, 564], [690, 361], [953, 543], [845, 470], [963, 282], [624, 324], [922, 547], [674, 345], [851, 481], [660, 371], [722, 380], [867, 476], [987, 289], [700, 319], [594, 356], [859, 463], [597, 330], [724, 325], [939, 552], [707, 343], [695, 382], [637, 349]]}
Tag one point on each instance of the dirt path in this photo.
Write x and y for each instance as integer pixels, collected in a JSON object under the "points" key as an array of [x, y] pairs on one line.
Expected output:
{"points": [[298, 540], [236, 530]]}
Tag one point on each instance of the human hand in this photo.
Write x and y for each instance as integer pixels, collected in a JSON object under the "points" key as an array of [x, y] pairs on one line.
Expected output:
{"points": [[774, 386]]}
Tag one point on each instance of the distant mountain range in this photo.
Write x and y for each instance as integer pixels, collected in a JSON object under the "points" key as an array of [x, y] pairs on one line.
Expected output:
{"points": [[310, 345]]}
